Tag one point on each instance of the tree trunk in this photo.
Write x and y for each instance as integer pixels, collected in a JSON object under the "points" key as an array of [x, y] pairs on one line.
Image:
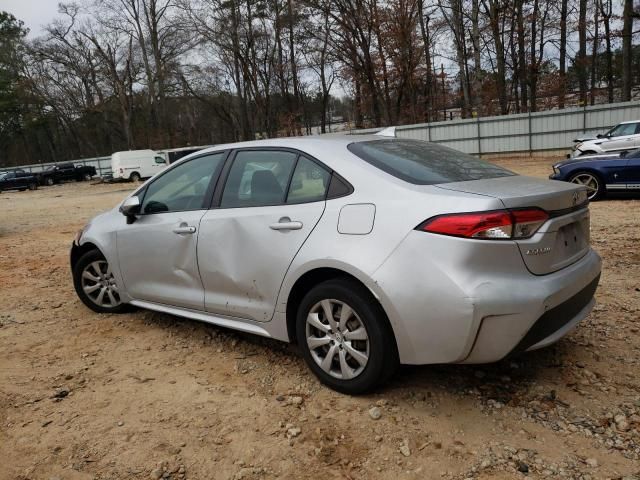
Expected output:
{"points": [[563, 54], [493, 12], [522, 56], [594, 57], [627, 34], [426, 42], [606, 17], [581, 60], [294, 69]]}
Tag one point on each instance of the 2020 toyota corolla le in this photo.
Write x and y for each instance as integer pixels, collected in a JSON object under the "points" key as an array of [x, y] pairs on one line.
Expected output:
{"points": [[368, 251]]}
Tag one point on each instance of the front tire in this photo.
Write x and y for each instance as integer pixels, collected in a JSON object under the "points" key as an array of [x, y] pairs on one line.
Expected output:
{"points": [[33, 186], [95, 284], [134, 177], [593, 182], [86, 177], [345, 337], [49, 182]]}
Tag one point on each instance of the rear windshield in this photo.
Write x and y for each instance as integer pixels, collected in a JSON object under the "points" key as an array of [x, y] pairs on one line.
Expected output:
{"points": [[424, 163]]}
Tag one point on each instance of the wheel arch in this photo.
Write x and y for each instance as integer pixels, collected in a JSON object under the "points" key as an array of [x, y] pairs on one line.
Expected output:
{"points": [[314, 276], [78, 250]]}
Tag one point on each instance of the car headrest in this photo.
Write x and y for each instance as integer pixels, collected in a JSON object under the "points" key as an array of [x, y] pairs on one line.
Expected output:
{"points": [[265, 188]]}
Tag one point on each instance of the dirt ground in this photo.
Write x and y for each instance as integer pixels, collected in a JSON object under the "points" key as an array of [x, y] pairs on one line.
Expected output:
{"points": [[147, 395]]}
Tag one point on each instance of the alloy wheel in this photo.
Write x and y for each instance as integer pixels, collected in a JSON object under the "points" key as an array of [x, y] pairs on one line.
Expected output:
{"points": [[337, 339], [589, 181], [99, 284]]}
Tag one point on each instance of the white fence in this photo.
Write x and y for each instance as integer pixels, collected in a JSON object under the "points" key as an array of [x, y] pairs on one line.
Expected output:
{"points": [[520, 133]]}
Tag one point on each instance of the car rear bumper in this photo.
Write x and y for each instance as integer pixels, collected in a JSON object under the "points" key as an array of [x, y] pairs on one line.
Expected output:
{"points": [[449, 306], [551, 326]]}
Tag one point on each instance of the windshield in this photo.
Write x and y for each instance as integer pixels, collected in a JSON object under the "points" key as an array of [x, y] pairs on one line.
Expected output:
{"points": [[424, 163]]}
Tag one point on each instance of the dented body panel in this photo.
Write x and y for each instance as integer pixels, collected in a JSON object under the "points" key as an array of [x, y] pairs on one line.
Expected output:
{"points": [[243, 261], [158, 265]]}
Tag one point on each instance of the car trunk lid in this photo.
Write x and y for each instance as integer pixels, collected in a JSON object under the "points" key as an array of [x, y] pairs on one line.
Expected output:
{"points": [[563, 239]]}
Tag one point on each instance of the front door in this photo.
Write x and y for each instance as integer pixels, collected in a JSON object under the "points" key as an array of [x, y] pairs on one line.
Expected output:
{"points": [[271, 202], [157, 253], [623, 137]]}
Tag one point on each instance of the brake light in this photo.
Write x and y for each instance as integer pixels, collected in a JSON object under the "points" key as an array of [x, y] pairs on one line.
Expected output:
{"points": [[495, 225]]}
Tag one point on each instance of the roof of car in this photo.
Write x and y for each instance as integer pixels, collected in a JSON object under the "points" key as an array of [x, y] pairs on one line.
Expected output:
{"points": [[293, 142], [629, 121]]}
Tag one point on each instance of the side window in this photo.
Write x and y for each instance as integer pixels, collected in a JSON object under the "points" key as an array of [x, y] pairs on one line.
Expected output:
{"points": [[309, 182], [183, 187], [637, 128], [160, 160], [624, 129], [258, 178]]}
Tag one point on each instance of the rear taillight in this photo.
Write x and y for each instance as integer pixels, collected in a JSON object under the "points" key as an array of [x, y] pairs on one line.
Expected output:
{"points": [[494, 225]]}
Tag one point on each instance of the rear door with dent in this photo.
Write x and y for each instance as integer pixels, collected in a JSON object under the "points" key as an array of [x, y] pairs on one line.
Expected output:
{"points": [[270, 202]]}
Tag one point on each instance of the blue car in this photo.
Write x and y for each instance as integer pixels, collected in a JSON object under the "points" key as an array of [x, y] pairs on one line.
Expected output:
{"points": [[602, 173]]}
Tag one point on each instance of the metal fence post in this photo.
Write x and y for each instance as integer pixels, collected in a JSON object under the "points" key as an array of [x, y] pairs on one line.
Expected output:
{"points": [[479, 137], [530, 133]]}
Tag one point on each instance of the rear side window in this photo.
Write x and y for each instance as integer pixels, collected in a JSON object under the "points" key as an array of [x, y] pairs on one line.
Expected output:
{"points": [[309, 182], [423, 163], [258, 178]]}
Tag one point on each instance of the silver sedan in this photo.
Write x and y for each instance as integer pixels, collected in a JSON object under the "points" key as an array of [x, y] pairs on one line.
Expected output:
{"points": [[368, 251]]}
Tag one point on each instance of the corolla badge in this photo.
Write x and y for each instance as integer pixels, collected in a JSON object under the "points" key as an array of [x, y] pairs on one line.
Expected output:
{"points": [[538, 251]]}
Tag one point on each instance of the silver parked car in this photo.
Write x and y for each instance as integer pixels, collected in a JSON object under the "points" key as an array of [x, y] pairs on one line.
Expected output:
{"points": [[367, 251]]}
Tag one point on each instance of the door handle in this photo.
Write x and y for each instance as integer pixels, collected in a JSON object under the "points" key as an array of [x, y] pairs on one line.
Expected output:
{"points": [[285, 223], [183, 228]]}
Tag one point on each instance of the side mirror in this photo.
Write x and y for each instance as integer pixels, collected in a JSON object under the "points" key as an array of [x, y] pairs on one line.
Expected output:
{"points": [[130, 208], [600, 135]]}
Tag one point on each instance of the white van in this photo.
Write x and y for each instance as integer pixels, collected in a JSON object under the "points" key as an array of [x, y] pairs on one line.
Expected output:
{"points": [[136, 164]]}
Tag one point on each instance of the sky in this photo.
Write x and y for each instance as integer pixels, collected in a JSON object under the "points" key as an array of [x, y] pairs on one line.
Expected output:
{"points": [[34, 13]]}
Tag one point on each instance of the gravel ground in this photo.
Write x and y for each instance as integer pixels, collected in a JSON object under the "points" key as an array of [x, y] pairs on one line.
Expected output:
{"points": [[147, 395]]}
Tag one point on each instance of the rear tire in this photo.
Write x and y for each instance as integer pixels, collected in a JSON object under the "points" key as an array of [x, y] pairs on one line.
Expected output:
{"points": [[354, 354], [593, 182], [134, 177], [33, 186], [95, 285], [49, 182]]}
